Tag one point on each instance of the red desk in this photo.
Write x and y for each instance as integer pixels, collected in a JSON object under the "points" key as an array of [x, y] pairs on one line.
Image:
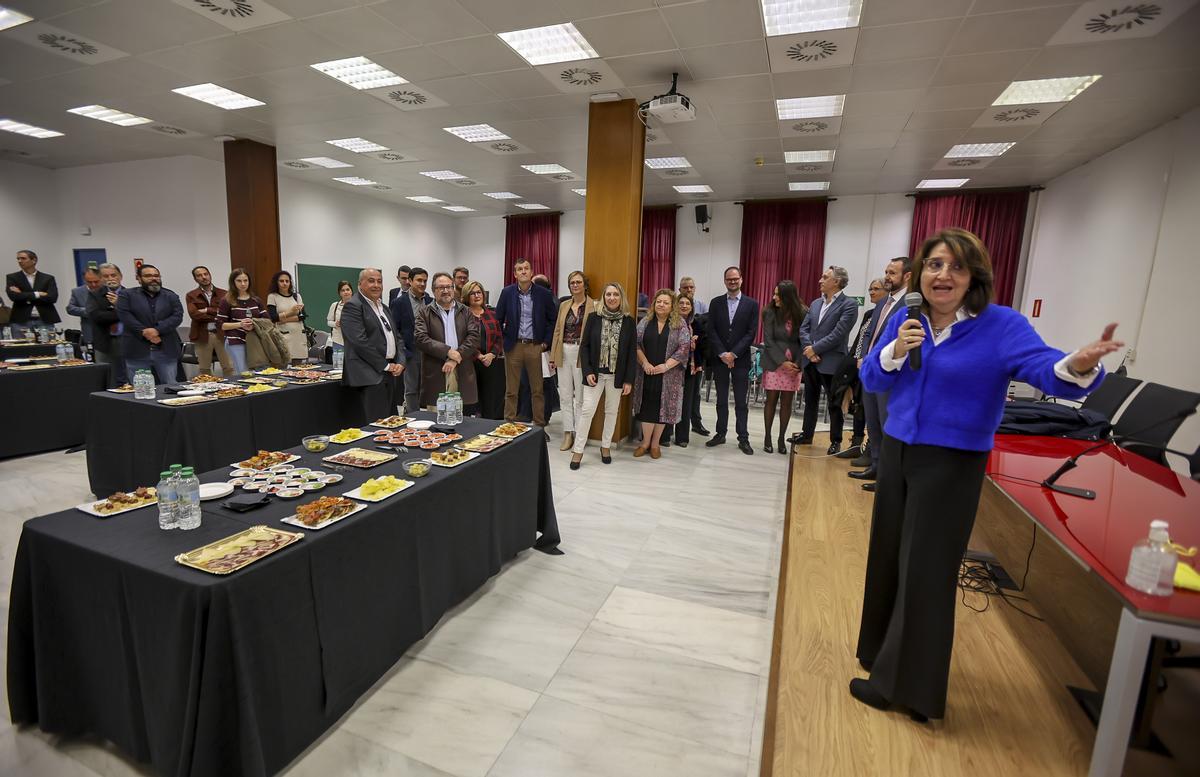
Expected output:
{"points": [[1098, 535]]}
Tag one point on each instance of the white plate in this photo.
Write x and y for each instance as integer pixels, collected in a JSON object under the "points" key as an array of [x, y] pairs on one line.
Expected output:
{"points": [[291, 519], [214, 491], [357, 493], [362, 435], [87, 508], [191, 393], [420, 424], [470, 455]]}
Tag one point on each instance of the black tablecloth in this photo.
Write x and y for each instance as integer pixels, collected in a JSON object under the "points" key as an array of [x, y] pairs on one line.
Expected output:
{"points": [[9, 351], [45, 410], [130, 441], [206, 675]]}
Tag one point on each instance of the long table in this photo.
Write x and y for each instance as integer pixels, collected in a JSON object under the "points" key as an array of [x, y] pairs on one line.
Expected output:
{"points": [[45, 409], [130, 441], [204, 675], [25, 350], [1078, 553]]}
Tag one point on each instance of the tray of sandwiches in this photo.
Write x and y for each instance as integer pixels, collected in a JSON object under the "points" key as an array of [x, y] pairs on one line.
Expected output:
{"points": [[121, 502], [323, 511], [238, 550]]}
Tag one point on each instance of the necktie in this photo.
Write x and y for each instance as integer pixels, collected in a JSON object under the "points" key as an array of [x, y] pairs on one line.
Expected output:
{"points": [[882, 317]]}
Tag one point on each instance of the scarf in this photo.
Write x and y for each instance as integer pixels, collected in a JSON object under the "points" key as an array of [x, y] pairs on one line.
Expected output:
{"points": [[610, 336]]}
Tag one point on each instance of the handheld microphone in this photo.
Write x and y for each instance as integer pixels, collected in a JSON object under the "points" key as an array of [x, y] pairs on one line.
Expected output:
{"points": [[1051, 482], [913, 301]]}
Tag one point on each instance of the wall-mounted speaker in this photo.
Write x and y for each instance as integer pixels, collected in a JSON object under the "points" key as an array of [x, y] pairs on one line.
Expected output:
{"points": [[701, 214]]}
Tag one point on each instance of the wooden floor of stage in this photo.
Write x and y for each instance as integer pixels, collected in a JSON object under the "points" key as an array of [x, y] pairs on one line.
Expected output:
{"points": [[1008, 708]]}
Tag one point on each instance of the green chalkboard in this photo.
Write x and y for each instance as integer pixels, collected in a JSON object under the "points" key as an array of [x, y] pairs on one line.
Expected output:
{"points": [[318, 284]]}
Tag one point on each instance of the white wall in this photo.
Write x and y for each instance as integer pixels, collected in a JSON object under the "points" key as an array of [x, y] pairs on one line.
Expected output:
{"points": [[479, 246], [1115, 240], [29, 219]]}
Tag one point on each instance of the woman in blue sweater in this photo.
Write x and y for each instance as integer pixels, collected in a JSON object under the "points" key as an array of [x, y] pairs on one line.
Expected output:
{"points": [[941, 421]]}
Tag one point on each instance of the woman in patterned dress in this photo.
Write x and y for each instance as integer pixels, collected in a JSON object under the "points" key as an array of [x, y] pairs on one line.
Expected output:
{"points": [[781, 347], [663, 346]]}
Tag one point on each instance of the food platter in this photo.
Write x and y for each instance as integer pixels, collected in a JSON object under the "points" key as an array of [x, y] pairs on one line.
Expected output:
{"points": [[27, 367], [453, 457], [346, 436], [484, 443], [182, 401], [125, 502], [264, 460], [125, 389], [510, 430], [337, 507], [358, 492], [238, 550], [259, 388], [361, 458], [391, 422]]}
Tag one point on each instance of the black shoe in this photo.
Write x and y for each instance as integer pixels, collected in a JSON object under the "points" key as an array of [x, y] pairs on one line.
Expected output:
{"points": [[866, 663], [575, 464], [863, 691], [767, 448], [700, 430], [862, 461], [868, 487], [664, 443], [744, 447], [850, 453], [833, 448], [718, 439], [782, 445], [681, 445], [866, 474], [800, 439], [605, 459]]}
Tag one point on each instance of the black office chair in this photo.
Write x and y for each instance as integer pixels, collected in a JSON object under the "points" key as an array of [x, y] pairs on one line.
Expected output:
{"points": [[1154, 402], [1110, 395]]}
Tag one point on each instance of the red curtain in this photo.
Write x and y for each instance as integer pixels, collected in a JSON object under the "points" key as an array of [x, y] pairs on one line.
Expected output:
{"points": [[534, 238], [657, 269], [783, 241], [998, 218]]}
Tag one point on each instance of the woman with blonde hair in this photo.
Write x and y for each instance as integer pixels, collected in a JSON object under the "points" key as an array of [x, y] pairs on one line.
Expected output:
{"points": [[664, 343], [564, 352], [608, 362]]}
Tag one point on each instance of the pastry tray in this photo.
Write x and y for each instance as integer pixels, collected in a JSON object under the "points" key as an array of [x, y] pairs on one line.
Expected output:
{"points": [[459, 463], [89, 508]]}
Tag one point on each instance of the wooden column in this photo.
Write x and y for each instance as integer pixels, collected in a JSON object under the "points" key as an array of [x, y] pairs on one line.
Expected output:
{"points": [[252, 199], [612, 235]]}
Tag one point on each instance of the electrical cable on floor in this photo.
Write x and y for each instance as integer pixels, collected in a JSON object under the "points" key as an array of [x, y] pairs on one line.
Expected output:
{"points": [[976, 577]]}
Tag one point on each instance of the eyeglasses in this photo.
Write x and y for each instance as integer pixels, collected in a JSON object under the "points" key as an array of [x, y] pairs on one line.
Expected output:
{"points": [[935, 267], [442, 287]]}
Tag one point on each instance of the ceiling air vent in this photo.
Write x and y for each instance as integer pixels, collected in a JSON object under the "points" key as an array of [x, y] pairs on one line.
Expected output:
{"points": [[298, 165], [503, 147], [675, 173], [808, 127], [811, 50], [963, 163], [405, 97], [1118, 19], [234, 8], [1018, 114], [67, 44], [382, 187], [167, 129], [581, 76]]}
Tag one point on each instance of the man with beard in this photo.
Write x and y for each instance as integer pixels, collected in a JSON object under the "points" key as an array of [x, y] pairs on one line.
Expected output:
{"points": [[150, 317]]}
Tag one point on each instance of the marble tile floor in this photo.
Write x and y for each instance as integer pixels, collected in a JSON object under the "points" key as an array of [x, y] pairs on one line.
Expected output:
{"points": [[642, 651]]}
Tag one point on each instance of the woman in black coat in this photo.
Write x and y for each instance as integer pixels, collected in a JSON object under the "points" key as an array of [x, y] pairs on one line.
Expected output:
{"points": [[609, 365], [780, 359]]}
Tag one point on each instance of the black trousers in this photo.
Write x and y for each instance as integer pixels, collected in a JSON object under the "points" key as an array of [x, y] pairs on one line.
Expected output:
{"points": [[814, 381], [925, 502], [378, 401], [741, 388], [860, 414], [689, 413]]}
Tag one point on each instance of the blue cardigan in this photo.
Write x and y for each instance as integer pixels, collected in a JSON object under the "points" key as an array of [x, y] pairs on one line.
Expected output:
{"points": [[956, 399]]}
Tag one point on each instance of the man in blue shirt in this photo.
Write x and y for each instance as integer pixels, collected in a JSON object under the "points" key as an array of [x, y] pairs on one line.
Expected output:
{"points": [[526, 314]]}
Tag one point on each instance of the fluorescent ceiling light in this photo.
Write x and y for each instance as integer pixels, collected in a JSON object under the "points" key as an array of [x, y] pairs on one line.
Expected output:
{"points": [[425, 198], [502, 195], [547, 45], [324, 161], [693, 189], [808, 186], [1045, 90], [810, 107], [801, 157], [667, 162], [10, 18], [784, 17], [100, 113], [218, 96], [532, 206], [359, 72], [354, 180], [978, 149], [942, 183], [458, 208], [546, 169], [477, 133], [9, 125], [357, 145], [443, 175], [580, 192]]}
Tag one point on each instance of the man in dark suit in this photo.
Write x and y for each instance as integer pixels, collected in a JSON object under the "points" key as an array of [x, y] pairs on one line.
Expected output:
{"points": [[106, 325], [895, 284], [526, 313], [404, 309], [150, 317], [374, 355], [33, 295], [823, 336], [732, 324], [402, 279], [848, 374]]}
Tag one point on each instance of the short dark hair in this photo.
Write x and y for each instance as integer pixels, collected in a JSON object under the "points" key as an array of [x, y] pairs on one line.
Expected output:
{"points": [[732, 267], [344, 283], [967, 248], [200, 267], [414, 272], [402, 268], [520, 262], [32, 255], [145, 267], [906, 263], [457, 270]]}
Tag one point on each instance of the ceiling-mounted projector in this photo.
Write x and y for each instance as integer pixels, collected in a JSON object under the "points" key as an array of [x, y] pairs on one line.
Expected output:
{"points": [[670, 108]]}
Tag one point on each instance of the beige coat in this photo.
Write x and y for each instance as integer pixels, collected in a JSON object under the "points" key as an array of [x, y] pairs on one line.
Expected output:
{"points": [[265, 346], [556, 348]]}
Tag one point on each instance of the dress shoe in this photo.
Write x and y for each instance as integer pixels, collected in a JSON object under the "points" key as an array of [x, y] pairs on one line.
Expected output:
{"points": [[863, 691], [744, 447], [656, 452], [868, 487], [863, 460], [681, 445], [767, 447], [718, 439], [782, 445], [866, 474], [800, 439], [854, 451], [700, 430], [568, 442], [605, 456], [833, 448], [664, 443], [639, 452], [576, 460]]}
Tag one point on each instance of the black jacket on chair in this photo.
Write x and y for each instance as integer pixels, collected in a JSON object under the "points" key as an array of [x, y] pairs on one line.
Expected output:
{"points": [[589, 350], [24, 301]]}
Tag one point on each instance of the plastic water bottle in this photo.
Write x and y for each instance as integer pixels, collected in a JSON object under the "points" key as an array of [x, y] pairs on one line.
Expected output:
{"points": [[189, 499], [58, 353], [89, 354], [8, 333], [339, 358], [1152, 563], [168, 501], [442, 415], [143, 385], [458, 409]]}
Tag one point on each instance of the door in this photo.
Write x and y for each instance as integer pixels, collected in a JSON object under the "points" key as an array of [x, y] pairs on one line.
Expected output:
{"points": [[86, 258]]}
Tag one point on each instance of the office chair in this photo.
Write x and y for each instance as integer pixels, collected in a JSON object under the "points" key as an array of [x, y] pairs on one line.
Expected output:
{"points": [[1110, 395], [1153, 402]]}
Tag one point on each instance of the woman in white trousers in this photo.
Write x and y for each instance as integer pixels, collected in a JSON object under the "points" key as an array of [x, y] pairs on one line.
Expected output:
{"points": [[608, 364], [573, 315]]}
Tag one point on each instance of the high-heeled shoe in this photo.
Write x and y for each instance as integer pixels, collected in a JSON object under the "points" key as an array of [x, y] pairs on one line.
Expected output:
{"points": [[767, 444], [576, 460], [783, 445], [605, 456]]}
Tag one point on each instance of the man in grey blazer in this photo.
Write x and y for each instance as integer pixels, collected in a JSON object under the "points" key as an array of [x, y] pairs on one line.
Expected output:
{"points": [[374, 350], [824, 336], [77, 306], [895, 283]]}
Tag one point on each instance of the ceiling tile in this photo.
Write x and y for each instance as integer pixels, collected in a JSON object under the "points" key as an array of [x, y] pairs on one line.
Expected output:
{"points": [[651, 69], [905, 41], [945, 98], [744, 113], [981, 68], [812, 83], [627, 34], [884, 122], [714, 21], [360, 30], [875, 13], [910, 74], [507, 15], [298, 9], [872, 103], [217, 59], [485, 54], [859, 159], [418, 63], [516, 84], [738, 89], [1008, 31], [929, 120], [763, 129], [431, 21], [159, 25], [861, 140], [586, 9], [812, 50], [294, 44], [730, 59], [462, 91]]}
